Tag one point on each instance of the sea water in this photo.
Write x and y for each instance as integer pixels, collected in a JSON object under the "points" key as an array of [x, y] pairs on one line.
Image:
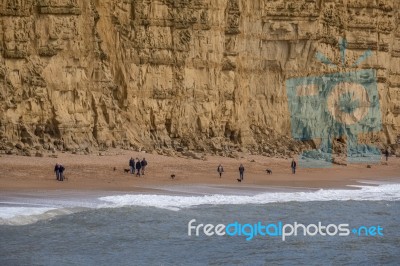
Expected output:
{"points": [[144, 229]]}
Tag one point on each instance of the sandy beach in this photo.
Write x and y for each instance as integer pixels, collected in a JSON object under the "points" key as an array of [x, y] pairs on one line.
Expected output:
{"points": [[127, 218], [94, 172]]}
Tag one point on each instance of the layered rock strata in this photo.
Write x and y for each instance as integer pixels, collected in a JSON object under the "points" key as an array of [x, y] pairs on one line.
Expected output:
{"points": [[206, 75]]}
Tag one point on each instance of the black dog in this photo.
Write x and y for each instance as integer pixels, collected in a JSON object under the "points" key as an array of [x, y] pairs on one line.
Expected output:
{"points": [[127, 170], [239, 180], [172, 176], [269, 171]]}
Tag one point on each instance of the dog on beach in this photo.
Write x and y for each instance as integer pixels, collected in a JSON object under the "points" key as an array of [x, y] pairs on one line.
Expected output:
{"points": [[127, 170], [269, 171], [172, 176], [239, 180]]}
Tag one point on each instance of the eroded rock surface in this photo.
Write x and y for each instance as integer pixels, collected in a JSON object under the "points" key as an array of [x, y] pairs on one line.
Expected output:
{"points": [[205, 75]]}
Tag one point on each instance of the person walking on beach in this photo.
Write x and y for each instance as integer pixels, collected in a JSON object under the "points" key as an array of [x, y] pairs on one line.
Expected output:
{"points": [[387, 154], [241, 172], [143, 164], [220, 170], [138, 166], [132, 165], [57, 171], [293, 165], [61, 170]]}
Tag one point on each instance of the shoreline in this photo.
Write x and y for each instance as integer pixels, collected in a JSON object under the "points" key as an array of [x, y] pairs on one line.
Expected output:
{"points": [[26, 207], [28, 197], [96, 173]]}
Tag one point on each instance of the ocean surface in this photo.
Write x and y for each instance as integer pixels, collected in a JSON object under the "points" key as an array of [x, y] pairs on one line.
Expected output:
{"points": [[111, 228]]}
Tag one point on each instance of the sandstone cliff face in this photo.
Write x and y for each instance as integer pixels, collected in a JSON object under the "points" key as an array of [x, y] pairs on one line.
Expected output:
{"points": [[198, 74]]}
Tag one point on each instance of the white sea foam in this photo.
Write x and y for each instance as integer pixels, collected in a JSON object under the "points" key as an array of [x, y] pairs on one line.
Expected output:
{"points": [[22, 215], [12, 212], [388, 192], [27, 208], [17, 214]]}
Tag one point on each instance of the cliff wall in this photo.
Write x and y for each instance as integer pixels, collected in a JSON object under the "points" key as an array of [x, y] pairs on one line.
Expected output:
{"points": [[204, 75]]}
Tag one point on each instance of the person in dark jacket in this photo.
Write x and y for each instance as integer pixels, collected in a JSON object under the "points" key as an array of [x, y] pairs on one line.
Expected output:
{"points": [[138, 166], [387, 154], [241, 173], [61, 170], [57, 171], [293, 165], [132, 165], [220, 170], [143, 164]]}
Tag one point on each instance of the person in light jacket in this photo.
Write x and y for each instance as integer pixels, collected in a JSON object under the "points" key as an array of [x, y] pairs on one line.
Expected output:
{"points": [[220, 170]]}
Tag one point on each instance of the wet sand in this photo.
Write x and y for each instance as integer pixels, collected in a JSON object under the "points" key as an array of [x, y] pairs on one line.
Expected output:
{"points": [[96, 173]]}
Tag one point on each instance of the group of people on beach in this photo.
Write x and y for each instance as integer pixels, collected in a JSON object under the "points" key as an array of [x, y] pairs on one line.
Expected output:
{"points": [[59, 170], [293, 166], [220, 170], [139, 165]]}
